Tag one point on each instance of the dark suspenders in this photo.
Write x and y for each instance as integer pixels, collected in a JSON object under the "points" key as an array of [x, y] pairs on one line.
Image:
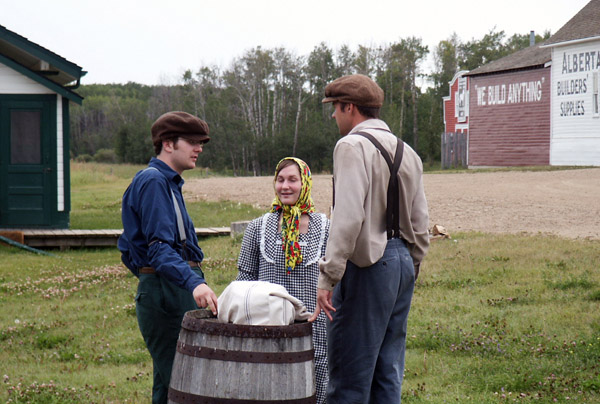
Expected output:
{"points": [[393, 193]]}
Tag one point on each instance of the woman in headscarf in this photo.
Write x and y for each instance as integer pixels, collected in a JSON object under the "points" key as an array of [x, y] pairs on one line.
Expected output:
{"points": [[284, 247]]}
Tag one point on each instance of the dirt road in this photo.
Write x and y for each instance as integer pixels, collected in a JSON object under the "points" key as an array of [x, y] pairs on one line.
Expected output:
{"points": [[564, 203]]}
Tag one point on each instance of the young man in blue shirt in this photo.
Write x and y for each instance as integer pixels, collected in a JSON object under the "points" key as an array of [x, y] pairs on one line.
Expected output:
{"points": [[159, 243]]}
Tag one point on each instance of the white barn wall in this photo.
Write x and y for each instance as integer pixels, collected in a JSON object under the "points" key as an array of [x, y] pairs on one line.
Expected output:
{"points": [[575, 138], [60, 168], [13, 82]]}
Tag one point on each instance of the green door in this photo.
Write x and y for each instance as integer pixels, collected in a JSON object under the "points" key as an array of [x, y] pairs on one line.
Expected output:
{"points": [[27, 164]]}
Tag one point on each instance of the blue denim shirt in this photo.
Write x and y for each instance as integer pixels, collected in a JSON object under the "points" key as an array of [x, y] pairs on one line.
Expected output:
{"points": [[150, 236]]}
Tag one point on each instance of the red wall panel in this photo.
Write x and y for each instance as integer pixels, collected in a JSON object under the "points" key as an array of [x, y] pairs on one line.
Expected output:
{"points": [[450, 120], [509, 122]]}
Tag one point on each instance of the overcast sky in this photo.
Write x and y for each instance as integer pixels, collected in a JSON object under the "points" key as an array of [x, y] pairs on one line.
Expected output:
{"points": [[155, 41]]}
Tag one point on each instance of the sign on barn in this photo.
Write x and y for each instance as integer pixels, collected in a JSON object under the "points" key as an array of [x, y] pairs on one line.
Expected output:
{"points": [[575, 114], [510, 118]]}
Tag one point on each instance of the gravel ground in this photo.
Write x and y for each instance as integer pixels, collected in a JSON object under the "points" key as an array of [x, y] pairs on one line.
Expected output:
{"points": [[564, 203]]}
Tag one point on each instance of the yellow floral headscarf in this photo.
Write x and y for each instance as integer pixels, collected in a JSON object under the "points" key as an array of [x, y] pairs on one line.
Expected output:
{"points": [[290, 227]]}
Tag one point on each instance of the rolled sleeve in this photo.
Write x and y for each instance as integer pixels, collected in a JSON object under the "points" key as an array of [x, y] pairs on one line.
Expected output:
{"points": [[351, 187], [420, 225]]}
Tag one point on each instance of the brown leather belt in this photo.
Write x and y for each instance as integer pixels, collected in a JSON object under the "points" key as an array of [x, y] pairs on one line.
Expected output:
{"points": [[150, 270]]}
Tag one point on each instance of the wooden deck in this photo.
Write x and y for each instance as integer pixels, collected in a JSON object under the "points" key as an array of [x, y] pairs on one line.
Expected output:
{"points": [[49, 238]]}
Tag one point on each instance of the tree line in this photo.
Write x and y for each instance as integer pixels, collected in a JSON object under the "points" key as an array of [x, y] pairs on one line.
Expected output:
{"points": [[267, 104]]}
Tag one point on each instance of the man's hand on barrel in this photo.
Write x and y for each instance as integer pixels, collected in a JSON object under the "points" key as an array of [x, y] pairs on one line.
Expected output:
{"points": [[205, 297], [323, 303]]}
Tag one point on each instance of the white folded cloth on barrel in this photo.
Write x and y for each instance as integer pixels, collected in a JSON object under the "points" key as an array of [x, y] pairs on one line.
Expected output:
{"points": [[259, 303]]}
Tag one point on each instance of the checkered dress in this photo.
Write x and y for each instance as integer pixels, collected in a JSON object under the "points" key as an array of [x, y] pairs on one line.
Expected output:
{"points": [[262, 259]]}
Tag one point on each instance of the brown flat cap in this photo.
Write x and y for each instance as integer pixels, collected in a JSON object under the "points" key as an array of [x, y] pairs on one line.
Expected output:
{"points": [[179, 123], [356, 89]]}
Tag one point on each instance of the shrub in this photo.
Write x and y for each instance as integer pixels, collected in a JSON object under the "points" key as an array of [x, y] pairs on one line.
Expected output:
{"points": [[84, 158], [105, 156]]}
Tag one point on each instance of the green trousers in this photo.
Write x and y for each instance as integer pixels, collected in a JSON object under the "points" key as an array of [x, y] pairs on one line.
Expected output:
{"points": [[160, 306]]}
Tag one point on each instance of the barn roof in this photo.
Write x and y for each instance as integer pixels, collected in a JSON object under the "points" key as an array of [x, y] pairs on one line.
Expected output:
{"points": [[40, 64], [585, 24], [531, 57]]}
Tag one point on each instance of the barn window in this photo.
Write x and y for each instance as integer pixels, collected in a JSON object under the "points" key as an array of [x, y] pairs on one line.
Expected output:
{"points": [[25, 137], [595, 95]]}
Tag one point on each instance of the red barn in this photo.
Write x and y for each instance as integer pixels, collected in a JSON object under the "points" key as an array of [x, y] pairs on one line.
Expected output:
{"points": [[509, 102], [506, 115], [538, 106]]}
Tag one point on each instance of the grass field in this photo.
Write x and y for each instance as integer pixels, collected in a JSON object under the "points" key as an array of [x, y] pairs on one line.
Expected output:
{"points": [[495, 318], [96, 191]]}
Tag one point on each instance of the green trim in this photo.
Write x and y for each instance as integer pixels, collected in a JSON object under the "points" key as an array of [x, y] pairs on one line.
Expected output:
{"points": [[41, 80], [40, 52], [28, 97]]}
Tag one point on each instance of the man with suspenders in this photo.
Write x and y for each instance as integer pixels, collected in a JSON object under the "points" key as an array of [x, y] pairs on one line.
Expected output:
{"points": [[159, 243], [378, 237]]}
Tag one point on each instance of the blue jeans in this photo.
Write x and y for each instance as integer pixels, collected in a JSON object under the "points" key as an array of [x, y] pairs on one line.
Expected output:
{"points": [[367, 337]]}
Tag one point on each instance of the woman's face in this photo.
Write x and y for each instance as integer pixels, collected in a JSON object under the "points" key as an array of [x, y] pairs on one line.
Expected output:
{"points": [[288, 184]]}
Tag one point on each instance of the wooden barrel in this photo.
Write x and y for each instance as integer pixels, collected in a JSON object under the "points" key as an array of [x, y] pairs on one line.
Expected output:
{"points": [[234, 364]]}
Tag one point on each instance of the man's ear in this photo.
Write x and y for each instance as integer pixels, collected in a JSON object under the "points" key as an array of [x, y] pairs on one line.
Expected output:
{"points": [[167, 145]]}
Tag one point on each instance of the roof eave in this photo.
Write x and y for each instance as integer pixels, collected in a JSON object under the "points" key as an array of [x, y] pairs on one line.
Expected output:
{"points": [[457, 75], [41, 80], [474, 73], [571, 42], [42, 53]]}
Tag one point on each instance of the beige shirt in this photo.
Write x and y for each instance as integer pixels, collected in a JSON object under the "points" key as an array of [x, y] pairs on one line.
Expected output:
{"points": [[358, 222]]}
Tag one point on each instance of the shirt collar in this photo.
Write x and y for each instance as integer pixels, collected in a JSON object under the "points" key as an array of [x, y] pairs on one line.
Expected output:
{"points": [[167, 171], [370, 124]]}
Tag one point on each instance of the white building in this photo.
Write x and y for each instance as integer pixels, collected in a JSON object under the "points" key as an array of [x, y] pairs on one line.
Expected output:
{"points": [[575, 117], [36, 88]]}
